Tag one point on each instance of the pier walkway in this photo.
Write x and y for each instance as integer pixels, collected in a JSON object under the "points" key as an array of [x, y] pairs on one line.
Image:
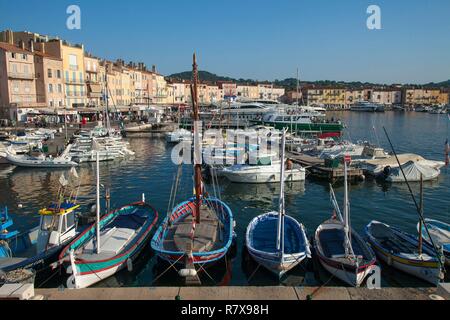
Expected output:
{"points": [[245, 293]]}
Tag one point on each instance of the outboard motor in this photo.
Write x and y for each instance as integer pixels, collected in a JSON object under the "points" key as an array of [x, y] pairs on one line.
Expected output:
{"points": [[386, 172]]}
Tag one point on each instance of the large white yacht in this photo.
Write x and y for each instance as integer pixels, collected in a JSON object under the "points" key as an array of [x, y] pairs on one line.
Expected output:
{"points": [[366, 106]]}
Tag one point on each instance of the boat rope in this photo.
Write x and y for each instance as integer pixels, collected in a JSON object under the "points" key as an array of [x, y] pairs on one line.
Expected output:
{"points": [[204, 270], [311, 296], [254, 272], [48, 279], [170, 267]]}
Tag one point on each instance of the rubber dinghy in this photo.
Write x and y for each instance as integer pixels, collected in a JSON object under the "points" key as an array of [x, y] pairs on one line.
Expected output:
{"points": [[400, 250], [275, 240], [123, 234]]}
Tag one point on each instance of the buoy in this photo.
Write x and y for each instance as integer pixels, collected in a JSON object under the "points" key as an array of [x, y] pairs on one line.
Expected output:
{"points": [[187, 273], [129, 265]]}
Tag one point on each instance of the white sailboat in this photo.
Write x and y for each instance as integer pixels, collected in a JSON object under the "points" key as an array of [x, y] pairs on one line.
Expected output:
{"points": [[341, 251]]}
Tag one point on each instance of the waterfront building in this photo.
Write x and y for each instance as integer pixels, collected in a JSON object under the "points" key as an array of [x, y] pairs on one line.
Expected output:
{"points": [[386, 96], [355, 95], [424, 97], [17, 82], [327, 97], [270, 92], [94, 81], [73, 70], [293, 96], [250, 92], [229, 89]]}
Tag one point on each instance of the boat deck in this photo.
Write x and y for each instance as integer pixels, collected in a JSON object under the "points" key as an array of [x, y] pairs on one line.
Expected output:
{"points": [[114, 238], [206, 234], [264, 236]]}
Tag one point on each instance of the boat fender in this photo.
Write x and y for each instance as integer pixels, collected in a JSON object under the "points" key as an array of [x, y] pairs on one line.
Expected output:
{"points": [[389, 260], [187, 273], [129, 265]]}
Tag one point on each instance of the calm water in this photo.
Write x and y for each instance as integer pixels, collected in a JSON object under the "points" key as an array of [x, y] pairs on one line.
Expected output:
{"points": [[152, 172]]}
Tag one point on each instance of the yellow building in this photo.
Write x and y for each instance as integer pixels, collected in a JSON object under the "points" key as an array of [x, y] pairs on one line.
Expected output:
{"points": [[327, 97], [427, 97], [73, 70], [247, 92]]}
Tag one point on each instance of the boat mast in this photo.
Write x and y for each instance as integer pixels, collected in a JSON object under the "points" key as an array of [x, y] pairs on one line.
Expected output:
{"points": [[197, 146], [298, 84], [98, 205], [281, 211], [421, 212], [347, 229]]}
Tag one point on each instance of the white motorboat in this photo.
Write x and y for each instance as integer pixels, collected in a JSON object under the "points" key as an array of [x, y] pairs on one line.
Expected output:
{"points": [[179, 135], [366, 106], [41, 161], [267, 170]]}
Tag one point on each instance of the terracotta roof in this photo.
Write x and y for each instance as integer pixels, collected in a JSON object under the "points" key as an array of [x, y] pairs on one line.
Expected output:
{"points": [[12, 48], [45, 55]]}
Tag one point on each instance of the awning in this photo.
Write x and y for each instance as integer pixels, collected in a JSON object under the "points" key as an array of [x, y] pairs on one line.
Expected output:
{"points": [[95, 88]]}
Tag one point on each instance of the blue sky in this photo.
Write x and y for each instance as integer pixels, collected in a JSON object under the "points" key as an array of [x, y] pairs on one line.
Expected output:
{"points": [[259, 39]]}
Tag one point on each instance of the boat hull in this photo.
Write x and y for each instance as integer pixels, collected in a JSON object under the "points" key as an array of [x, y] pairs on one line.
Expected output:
{"points": [[303, 127], [427, 270], [89, 272], [197, 258], [274, 262], [266, 177]]}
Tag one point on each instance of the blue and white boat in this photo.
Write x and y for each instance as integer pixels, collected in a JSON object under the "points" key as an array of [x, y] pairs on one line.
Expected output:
{"points": [[289, 247], [440, 234], [39, 247]]}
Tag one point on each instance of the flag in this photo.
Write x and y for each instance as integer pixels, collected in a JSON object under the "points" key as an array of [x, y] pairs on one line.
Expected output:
{"points": [[74, 172], [447, 150], [63, 181]]}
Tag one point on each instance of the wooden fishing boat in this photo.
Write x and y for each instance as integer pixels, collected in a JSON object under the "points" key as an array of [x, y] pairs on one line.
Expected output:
{"points": [[440, 233], [108, 245], [289, 247], [340, 249], [400, 250], [199, 231]]}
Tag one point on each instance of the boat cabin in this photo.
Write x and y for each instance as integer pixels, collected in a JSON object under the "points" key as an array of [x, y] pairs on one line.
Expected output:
{"points": [[57, 225]]}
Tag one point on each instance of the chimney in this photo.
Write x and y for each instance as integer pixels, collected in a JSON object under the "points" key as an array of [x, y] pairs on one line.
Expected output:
{"points": [[22, 45], [153, 68], [9, 37], [31, 45]]}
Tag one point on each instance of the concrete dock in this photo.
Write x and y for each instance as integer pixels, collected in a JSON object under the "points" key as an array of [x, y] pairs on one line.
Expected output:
{"points": [[245, 293]]}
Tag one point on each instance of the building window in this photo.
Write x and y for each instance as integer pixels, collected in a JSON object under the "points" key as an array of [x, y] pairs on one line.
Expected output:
{"points": [[13, 55], [50, 88], [24, 56], [58, 74], [49, 73], [73, 62], [67, 75], [51, 103], [59, 88]]}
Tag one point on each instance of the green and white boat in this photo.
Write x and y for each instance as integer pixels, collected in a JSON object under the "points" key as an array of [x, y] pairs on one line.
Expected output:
{"points": [[301, 122]]}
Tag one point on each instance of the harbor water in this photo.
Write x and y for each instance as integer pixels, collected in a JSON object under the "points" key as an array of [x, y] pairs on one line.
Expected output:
{"points": [[152, 172]]}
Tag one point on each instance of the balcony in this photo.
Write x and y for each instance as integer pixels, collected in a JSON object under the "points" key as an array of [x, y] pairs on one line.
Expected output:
{"points": [[18, 75], [75, 94], [76, 81]]}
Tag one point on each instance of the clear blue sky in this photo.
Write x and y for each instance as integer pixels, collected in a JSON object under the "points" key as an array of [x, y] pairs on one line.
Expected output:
{"points": [[259, 39]]}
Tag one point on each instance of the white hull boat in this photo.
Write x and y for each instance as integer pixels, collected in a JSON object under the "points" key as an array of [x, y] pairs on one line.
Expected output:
{"points": [[261, 174]]}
